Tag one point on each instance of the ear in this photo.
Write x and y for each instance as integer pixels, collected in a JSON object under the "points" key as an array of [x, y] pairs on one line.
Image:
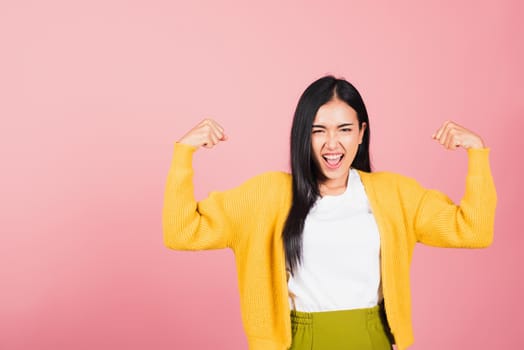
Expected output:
{"points": [[361, 132]]}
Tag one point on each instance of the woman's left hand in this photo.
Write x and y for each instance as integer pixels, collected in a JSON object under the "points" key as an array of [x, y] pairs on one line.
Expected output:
{"points": [[451, 135]]}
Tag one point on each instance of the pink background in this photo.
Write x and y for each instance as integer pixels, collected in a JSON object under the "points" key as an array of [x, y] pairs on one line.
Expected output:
{"points": [[93, 95]]}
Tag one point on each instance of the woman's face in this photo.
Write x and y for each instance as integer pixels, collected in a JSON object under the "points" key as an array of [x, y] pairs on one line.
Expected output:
{"points": [[334, 141]]}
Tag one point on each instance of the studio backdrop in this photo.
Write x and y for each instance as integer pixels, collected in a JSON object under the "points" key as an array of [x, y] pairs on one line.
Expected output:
{"points": [[93, 95]]}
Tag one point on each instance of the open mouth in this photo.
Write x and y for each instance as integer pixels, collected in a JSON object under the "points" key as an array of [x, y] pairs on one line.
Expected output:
{"points": [[333, 161]]}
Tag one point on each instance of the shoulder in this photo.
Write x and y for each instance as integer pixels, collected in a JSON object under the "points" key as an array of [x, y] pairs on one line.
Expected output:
{"points": [[386, 177], [385, 183], [268, 182], [260, 186], [271, 176], [269, 192], [271, 180]]}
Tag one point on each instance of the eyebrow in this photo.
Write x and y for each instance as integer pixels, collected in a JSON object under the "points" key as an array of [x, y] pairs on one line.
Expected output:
{"points": [[339, 126]]}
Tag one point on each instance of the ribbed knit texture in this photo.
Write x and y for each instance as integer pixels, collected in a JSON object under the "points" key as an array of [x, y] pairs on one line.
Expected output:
{"points": [[249, 220]]}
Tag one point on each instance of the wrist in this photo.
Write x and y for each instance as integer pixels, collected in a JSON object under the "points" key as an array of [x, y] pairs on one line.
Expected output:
{"points": [[477, 144], [188, 142]]}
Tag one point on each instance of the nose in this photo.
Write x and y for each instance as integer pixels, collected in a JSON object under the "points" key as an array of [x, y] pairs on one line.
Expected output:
{"points": [[331, 141]]}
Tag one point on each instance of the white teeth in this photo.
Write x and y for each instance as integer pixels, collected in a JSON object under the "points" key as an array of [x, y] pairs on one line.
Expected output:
{"points": [[333, 157]]}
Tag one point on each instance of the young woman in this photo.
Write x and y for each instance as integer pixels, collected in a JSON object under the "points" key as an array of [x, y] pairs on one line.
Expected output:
{"points": [[323, 253]]}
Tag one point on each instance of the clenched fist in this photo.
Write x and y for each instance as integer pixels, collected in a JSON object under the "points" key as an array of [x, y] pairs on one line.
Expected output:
{"points": [[451, 135], [207, 134]]}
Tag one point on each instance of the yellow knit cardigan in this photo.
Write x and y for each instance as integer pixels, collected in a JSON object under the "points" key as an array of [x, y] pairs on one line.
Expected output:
{"points": [[249, 220]]}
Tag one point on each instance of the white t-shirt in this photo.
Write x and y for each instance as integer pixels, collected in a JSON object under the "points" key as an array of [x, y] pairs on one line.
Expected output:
{"points": [[340, 268]]}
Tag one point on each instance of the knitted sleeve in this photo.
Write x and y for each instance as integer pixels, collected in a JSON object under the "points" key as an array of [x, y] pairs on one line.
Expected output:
{"points": [[440, 222], [212, 223]]}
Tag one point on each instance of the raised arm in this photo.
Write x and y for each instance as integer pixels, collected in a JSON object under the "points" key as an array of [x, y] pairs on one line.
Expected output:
{"points": [[189, 225], [440, 222]]}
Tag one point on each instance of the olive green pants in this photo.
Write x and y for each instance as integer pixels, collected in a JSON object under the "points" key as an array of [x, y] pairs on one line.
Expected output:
{"points": [[359, 329]]}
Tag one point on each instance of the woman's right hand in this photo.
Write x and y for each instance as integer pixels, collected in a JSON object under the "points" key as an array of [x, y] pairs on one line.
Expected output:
{"points": [[206, 134]]}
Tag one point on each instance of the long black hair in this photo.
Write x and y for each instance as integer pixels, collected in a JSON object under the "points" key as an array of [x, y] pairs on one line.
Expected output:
{"points": [[304, 171]]}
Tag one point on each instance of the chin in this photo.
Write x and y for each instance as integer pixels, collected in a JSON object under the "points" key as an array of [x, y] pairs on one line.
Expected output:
{"points": [[331, 174]]}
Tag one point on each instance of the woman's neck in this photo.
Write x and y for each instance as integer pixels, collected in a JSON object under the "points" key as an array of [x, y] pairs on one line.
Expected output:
{"points": [[333, 187]]}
